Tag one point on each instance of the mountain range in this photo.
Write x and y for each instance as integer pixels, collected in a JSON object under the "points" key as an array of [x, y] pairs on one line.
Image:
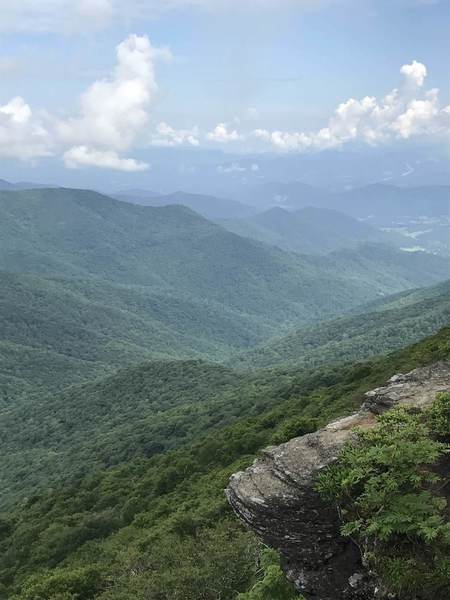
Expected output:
{"points": [[125, 282], [311, 230], [211, 207], [147, 353]]}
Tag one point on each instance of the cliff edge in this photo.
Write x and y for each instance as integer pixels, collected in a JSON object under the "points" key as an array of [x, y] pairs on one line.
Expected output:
{"points": [[276, 498]]}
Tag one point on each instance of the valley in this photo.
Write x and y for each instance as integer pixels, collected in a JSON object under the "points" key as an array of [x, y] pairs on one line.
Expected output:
{"points": [[147, 353]]}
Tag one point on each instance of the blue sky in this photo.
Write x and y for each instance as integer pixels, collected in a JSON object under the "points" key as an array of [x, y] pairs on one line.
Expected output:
{"points": [[248, 76]]}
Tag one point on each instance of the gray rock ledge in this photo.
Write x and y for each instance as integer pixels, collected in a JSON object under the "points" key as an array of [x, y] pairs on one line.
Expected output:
{"points": [[275, 497]]}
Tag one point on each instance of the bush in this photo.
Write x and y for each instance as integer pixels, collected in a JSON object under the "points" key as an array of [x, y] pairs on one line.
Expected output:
{"points": [[387, 490]]}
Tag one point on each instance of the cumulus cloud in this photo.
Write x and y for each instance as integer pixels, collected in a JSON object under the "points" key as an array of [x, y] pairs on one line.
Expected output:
{"points": [[222, 135], [82, 156], [23, 134], [169, 137], [401, 114], [415, 73], [115, 111], [114, 115]]}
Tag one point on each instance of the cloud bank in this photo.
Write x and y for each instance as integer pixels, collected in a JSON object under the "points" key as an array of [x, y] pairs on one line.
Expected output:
{"points": [[403, 113], [115, 117]]}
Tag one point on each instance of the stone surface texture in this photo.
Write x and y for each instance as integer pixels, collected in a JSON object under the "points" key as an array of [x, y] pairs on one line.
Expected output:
{"points": [[275, 497]]}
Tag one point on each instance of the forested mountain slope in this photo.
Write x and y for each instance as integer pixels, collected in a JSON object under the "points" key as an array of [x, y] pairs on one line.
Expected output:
{"points": [[386, 326], [310, 230], [82, 234], [139, 411], [159, 528], [56, 331]]}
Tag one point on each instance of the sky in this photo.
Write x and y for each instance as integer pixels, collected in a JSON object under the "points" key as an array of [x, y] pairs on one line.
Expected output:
{"points": [[104, 85]]}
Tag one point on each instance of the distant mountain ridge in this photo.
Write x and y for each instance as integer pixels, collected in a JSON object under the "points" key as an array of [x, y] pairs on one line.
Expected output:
{"points": [[311, 230], [211, 207], [378, 199], [22, 185]]}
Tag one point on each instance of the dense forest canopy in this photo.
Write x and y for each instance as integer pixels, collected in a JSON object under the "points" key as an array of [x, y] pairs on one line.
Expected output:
{"points": [[147, 354]]}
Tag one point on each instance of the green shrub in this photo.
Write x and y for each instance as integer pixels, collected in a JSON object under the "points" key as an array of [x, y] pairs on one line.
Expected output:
{"points": [[388, 494], [272, 584]]}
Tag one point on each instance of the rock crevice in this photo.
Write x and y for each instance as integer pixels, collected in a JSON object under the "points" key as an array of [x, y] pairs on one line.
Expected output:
{"points": [[276, 498]]}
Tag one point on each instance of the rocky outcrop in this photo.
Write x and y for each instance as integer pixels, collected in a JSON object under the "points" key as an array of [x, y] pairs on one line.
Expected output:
{"points": [[276, 498]]}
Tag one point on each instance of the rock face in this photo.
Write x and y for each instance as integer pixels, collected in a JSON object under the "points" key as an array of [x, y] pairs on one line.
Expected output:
{"points": [[276, 498]]}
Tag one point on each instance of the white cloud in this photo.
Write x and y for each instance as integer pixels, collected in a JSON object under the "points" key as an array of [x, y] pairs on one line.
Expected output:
{"points": [[221, 134], [403, 113], [82, 156], [169, 137], [415, 73], [115, 111], [114, 115], [23, 135], [420, 117]]}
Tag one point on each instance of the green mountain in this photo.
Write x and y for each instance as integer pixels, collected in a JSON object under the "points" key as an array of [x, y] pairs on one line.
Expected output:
{"points": [[140, 411], [310, 230], [55, 331], [159, 528], [81, 234], [90, 284], [387, 325]]}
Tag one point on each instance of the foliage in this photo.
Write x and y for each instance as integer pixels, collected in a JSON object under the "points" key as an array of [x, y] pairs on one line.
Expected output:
{"points": [[272, 584], [58, 331], [130, 521], [73, 584], [387, 488], [89, 284], [384, 326]]}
